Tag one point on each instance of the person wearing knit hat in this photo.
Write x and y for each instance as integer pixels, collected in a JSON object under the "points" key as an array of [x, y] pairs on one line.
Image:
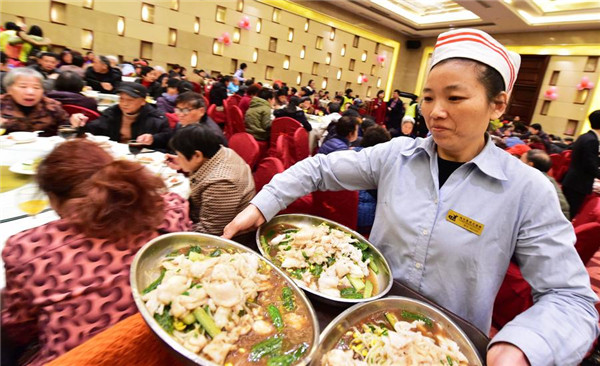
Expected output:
{"points": [[453, 210]]}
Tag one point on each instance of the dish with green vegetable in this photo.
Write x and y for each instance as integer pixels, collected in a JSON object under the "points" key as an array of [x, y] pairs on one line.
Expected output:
{"points": [[394, 331], [225, 304], [325, 258]]}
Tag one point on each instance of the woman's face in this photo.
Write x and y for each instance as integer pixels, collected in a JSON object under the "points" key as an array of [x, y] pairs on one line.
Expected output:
{"points": [[67, 58], [457, 111], [407, 128], [380, 95], [99, 66], [27, 91], [150, 77]]}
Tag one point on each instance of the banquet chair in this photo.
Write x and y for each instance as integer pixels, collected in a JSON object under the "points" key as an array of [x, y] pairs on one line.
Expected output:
{"points": [[235, 120], [245, 146], [557, 162], [218, 116], [283, 126], [340, 206], [283, 151], [589, 212], [514, 295], [72, 109], [206, 102], [172, 119], [301, 150], [265, 170]]}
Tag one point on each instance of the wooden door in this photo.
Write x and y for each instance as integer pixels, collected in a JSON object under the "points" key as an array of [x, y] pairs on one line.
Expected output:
{"points": [[527, 87]]}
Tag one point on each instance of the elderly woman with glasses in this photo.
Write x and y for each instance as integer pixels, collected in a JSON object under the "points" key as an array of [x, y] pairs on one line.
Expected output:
{"points": [[453, 210], [25, 108], [191, 109]]}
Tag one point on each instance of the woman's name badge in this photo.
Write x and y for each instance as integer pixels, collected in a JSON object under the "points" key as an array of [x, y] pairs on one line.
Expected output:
{"points": [[465, 222]]}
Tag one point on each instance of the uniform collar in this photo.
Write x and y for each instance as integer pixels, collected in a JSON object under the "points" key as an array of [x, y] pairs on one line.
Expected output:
{"points": [[488, 160]]}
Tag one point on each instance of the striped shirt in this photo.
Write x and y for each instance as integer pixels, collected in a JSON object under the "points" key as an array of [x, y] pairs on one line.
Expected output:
{"points": [[221, 188]]}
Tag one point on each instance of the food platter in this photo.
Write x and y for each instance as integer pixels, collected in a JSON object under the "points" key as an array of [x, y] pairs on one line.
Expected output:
{"points": [[311, 276], [26, 167], [145, 271], [357, 314]]}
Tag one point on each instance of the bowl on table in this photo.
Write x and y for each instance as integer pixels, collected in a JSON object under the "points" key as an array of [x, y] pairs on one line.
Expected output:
{"points": [[352, 288], [373, 317], [22, 137], [283, 300]]}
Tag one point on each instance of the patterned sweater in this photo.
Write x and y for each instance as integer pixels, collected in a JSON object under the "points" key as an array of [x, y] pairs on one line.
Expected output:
{"points": [[221, 188]]}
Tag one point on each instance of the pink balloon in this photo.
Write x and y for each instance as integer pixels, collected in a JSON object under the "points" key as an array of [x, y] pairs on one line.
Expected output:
{"points": [[553, 96], [552, 89], [590, 85], [585, 79], [365, 79], [381, 58], [580, 87]]}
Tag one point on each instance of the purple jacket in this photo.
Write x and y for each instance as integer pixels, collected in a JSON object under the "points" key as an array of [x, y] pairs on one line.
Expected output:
{"points": [[70, 98], [166, 103], [334, 144]]}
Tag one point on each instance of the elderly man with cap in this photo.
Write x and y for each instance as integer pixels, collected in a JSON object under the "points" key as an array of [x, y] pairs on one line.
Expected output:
{"points": [[133, 119], [453, 210], [102, 76]]}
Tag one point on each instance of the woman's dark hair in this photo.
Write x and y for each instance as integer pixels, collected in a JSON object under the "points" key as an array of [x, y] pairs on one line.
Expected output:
{"points": [[346, 125], [281, 92], [173, 83], [195, 137], [78, 60], [348, 91], [489, 77], [266, 94], [146, 70], [184, 86], [242, 90], [292, 105], [12, 26], [105, 61], [69, 81], [379, 92], [243, 66], [192, 99], [102, 197], [594, 118], [253, 90], [294, 90], [367, 122], [35, 30], [64, 53], [375, 135]]}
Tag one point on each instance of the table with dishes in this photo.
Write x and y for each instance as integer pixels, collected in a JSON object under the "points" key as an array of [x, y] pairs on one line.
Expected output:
{"points": [[22, 206]]}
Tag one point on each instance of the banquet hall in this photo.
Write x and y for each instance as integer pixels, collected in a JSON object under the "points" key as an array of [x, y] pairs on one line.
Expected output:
{"points": [[294, 182]]}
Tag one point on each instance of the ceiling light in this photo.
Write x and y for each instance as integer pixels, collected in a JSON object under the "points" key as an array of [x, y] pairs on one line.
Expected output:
{"points": [[417, 12], [567, 18]]}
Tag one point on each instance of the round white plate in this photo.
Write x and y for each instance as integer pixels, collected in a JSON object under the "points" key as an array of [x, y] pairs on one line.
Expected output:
{"points": [[21, 168], [174, 180], [23, 137]]}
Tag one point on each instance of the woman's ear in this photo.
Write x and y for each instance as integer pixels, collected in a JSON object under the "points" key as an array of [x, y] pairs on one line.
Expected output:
{"points": [[499, 105]]}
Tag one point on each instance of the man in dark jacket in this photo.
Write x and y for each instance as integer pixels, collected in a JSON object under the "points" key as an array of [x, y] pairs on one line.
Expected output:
{"points": [[218, 92], [133, 119], [578, 181], [102, 77], [395, 114], [148, 79]]}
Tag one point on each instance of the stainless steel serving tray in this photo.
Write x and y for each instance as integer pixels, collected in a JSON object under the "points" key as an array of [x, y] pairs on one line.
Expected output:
{"points": [[384, 278], [145, 269], [354, 315]]}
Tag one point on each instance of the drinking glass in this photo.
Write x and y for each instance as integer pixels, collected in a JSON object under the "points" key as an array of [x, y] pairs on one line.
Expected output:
{"points": [[31, 200], [135, 147], [67, 132]]}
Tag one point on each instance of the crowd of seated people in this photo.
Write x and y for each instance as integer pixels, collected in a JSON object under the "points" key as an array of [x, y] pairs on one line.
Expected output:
{"points": [[221, 181]]}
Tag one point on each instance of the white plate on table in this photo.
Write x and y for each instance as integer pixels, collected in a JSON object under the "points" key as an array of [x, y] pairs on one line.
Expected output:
{"points": [[22, 137], [174, 180], [23, 167]]}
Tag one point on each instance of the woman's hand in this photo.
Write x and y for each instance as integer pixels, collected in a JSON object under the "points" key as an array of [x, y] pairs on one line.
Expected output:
{"points": [[172, 162], [106, 86], [249, 219], [78, 120], [506, 354], [146, 139]]}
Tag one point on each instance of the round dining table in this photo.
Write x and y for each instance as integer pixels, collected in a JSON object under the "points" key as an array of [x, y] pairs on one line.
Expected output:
{"points": [[16, 178]]}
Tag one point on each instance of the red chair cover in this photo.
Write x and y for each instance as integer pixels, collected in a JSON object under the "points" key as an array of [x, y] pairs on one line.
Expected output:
{"points": [[265, 170], [246, 146], [206, 101], [588, 240], [301, 149], [589, 212], [513, 298], [172, 118], [340, 206], [235, 120], [217, 116], [72, 109], [283, 151], [283, 125], [557, 162]]}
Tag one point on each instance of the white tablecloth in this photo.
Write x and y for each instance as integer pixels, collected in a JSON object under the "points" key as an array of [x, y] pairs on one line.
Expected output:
{"points": [[13, 220]]}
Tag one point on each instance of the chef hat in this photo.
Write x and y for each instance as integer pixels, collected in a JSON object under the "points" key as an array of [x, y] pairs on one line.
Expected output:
{"points": [[479, 46]]}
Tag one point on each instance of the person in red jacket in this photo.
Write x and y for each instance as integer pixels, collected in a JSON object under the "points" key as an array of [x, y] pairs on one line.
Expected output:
{"points": [[379, 108]]}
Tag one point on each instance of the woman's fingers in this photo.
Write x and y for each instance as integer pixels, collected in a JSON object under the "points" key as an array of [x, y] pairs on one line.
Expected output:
{"points": [[250, 218]]}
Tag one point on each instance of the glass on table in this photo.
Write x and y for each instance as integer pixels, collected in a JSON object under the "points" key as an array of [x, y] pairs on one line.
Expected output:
{"points": [[135, 147], [31, 200], [67, 132]]}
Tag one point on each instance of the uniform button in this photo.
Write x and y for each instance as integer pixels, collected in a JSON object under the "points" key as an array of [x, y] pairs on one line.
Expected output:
{"points": [[418, 265], [435, 201], [425, 232]]}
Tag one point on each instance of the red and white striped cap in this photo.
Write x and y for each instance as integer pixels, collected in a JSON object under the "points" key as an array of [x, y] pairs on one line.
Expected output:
{"points": [[479, 46]]}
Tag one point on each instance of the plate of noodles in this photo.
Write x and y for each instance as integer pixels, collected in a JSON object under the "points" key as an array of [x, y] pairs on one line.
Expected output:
{"points": [[394, 331], [216, 302], [326, 259]]}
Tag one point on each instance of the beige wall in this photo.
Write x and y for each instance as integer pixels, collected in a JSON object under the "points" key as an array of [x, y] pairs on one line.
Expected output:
{"points": [[571, 70], [102, 20]]}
